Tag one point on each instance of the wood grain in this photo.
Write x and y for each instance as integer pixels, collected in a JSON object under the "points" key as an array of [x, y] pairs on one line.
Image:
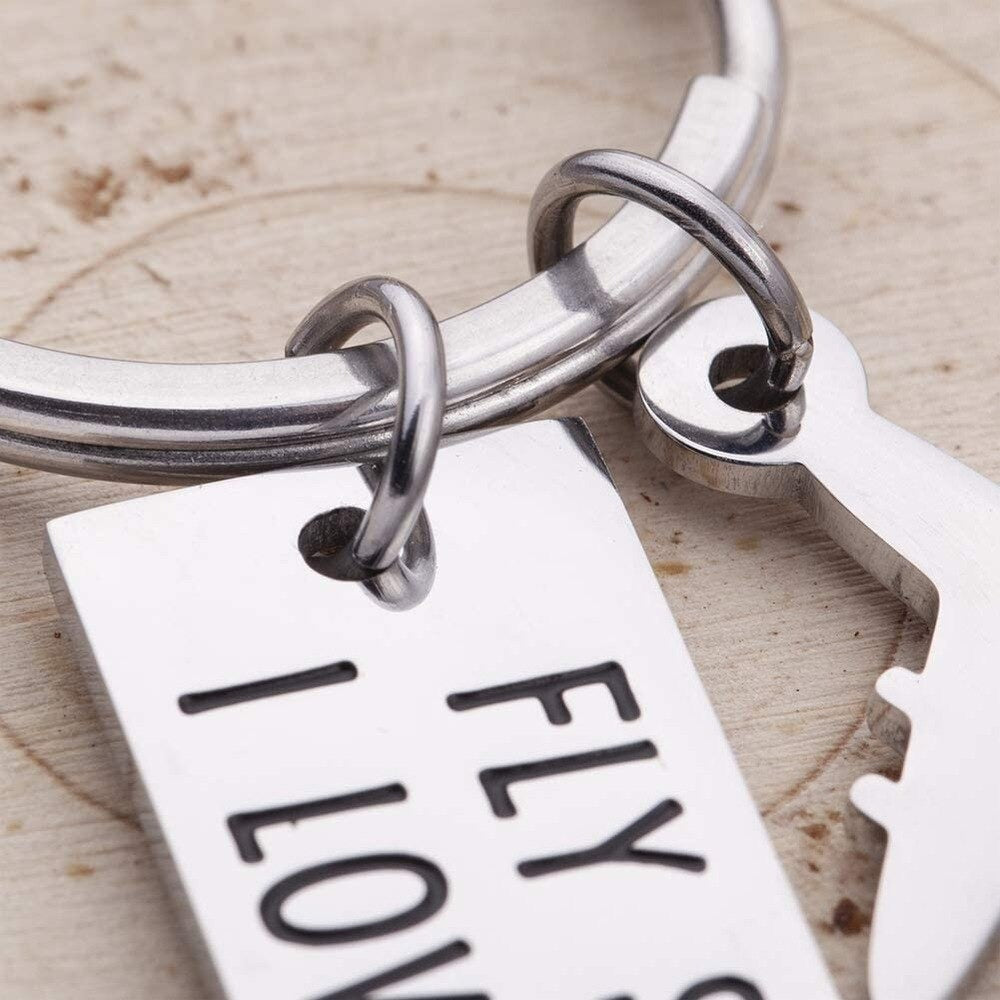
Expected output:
{"points": [[182, 181]]}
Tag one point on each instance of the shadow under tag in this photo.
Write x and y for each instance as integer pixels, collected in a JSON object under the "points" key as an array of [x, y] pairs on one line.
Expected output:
{"points": [[512, 788]]}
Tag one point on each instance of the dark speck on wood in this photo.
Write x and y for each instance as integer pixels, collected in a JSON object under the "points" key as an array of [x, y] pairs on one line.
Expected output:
{"points": [[847, 918]]}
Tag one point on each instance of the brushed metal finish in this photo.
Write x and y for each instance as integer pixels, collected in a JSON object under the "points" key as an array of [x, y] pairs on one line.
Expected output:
{"points": [[416, 433], [700, 213], [928, 528], [539, 573], [508, 357]]}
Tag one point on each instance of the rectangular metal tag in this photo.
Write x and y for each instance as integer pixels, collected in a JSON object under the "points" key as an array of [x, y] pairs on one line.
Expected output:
{"points": [[515, 789]]}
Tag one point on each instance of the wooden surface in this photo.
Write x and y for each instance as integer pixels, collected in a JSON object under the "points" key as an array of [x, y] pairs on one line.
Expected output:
{"points": [[182, 181]]}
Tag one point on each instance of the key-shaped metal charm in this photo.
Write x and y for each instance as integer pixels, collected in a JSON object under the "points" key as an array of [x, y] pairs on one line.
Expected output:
{"points": [[926, 526]]}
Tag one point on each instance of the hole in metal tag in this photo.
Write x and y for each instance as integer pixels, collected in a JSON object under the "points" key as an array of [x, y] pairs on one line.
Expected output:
{"points": [[738, 376], [325, 543]]}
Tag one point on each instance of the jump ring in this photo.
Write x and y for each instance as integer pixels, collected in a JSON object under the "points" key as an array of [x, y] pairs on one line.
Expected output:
{"points": [[398, 497], [706, 217]]}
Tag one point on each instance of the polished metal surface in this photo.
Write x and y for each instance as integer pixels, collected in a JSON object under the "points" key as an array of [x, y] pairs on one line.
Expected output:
{"points": [[701, 214], [928, 527], [507, 358], [416, 434], [516, 789]]}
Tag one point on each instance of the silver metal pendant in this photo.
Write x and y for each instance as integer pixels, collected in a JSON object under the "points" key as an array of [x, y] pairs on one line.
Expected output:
{"points": [[515, 788], [928, 527]]}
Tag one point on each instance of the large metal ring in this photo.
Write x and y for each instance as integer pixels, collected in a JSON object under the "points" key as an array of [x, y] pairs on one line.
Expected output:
{"points": [[510, 356], [399, 495], [706, 217]]}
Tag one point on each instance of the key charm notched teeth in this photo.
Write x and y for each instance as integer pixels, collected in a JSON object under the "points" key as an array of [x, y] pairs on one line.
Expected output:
{"points": [[928, 528]]}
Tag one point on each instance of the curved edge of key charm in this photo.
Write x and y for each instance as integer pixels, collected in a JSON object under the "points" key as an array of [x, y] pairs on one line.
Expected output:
{"points": [[928, 528]]}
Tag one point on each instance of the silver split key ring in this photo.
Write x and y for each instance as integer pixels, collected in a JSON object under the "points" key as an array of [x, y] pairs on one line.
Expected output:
{"points": [[508, 357], [396, 504], [706, 217]]}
